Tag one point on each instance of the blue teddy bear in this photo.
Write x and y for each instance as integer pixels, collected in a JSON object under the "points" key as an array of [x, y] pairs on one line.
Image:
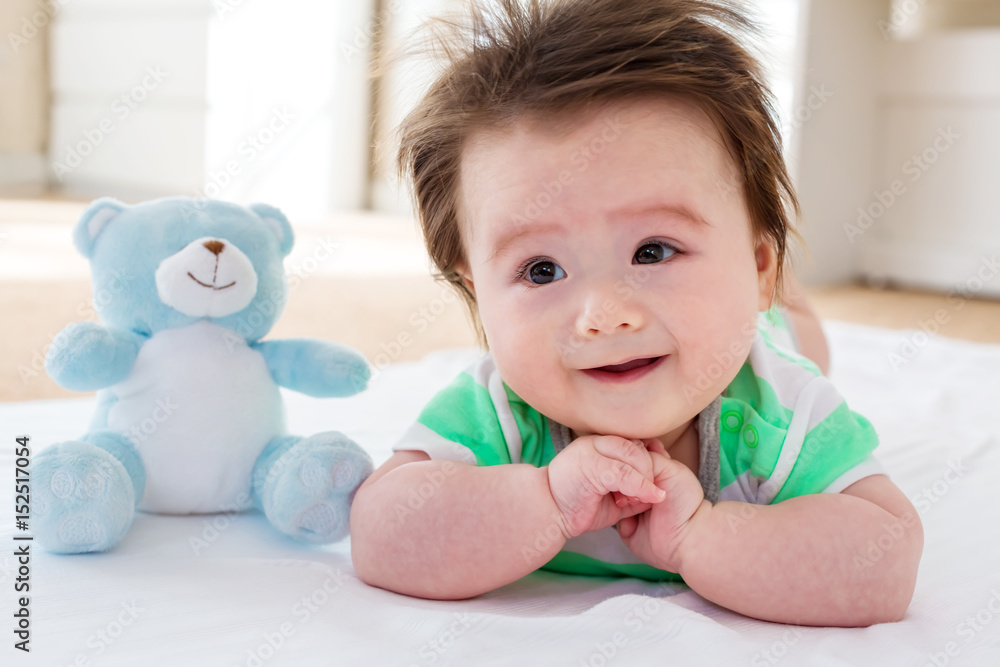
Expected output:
{"points": [[189, 417]]}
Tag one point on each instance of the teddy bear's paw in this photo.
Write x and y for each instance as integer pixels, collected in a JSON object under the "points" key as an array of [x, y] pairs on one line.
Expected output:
{"points": [[341, 477], [309, 490], [82, 498], [323, 520]]}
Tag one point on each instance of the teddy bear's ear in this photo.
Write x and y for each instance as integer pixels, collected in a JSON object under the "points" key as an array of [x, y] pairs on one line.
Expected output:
{"points": [[92, 222], [278, 223]]}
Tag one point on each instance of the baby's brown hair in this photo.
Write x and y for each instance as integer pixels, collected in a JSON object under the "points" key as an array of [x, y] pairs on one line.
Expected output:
{"points": [[513, 58]]}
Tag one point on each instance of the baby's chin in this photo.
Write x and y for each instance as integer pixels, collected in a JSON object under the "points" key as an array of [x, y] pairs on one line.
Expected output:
{"points": [[625, 429]]}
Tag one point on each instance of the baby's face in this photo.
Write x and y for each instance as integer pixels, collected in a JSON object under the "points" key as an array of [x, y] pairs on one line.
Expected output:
{"points": [[614, 266]]}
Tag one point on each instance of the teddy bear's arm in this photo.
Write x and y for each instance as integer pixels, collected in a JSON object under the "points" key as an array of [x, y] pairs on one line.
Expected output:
{"points": [[315, 367], [87, 356]]}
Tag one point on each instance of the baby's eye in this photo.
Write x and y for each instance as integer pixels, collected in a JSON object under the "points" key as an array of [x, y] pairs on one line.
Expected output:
{"points": [[544, 272], [653, 252]]}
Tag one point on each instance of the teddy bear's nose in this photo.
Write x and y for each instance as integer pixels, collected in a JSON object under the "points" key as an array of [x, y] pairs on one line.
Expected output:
{"points": [[215, 247]]}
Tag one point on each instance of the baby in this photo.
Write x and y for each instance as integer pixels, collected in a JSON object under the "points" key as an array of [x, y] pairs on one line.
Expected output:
{"points": [[603, 181]]}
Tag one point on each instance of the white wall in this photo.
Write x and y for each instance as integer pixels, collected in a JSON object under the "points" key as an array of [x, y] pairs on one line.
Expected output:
{"points": [[24, 99], [235, 99], [835, 153], [938, 208]]}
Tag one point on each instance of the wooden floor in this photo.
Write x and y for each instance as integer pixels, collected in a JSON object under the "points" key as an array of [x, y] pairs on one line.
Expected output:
{"points": [[393, 313], [954, 316]]}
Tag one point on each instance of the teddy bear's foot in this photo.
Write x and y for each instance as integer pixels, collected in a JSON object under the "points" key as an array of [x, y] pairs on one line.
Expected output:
{"points": [[308, 489], [82, 499]]}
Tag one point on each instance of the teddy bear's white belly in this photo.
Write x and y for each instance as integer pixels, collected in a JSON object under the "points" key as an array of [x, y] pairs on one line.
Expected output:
{"points": [[200, 405]]}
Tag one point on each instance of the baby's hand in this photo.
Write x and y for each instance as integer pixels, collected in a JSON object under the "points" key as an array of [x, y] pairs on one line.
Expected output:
{"points": [[600, 479], [656, 536]]}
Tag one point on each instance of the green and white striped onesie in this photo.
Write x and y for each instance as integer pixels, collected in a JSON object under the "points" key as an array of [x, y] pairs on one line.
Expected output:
{"points": [[778, 431]]}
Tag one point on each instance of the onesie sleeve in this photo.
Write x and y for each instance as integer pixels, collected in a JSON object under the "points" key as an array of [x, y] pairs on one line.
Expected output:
{"points": [[470, 420], [786, 431], [825, 450]]}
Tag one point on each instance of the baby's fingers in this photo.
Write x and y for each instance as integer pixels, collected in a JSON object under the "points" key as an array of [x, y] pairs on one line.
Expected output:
{"points": [[629, 505], [654, 445], [618, 476], [634, 510], [627, 526], [630, 452]]}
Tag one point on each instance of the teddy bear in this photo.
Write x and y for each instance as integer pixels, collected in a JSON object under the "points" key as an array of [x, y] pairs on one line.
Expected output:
{"points": [[189, 417]]}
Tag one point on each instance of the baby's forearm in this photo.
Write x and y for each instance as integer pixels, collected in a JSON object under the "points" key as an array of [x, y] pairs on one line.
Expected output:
{"points": [[442, 530], [825, 559]]}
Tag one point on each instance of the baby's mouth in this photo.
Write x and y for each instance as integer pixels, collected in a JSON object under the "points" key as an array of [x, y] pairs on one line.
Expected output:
{"points": [[625, 372], [628, 365]]}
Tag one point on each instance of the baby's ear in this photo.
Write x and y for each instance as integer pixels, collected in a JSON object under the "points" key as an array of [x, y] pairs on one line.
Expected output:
{"points": [[466, 277], [767, 274], [93, 221], [278, 223]]}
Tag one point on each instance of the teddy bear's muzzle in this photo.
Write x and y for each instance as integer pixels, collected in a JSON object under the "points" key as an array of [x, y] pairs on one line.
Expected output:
{"points": [[208, 278]]}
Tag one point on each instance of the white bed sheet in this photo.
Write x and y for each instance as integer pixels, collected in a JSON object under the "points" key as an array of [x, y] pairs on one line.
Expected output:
{"points": [[247, 596]]}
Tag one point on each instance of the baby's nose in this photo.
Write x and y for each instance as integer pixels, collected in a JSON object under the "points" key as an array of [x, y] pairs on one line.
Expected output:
{"points": [[605, 312]]}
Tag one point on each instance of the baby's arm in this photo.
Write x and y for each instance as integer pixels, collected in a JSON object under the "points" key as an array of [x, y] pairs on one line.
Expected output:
{"points": [[448, 530], [806, 560], [810, 560]]}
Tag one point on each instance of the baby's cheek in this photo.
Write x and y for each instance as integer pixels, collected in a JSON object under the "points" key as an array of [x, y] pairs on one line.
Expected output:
{"points": [[520, 360], [710, 363], [733, 323]]}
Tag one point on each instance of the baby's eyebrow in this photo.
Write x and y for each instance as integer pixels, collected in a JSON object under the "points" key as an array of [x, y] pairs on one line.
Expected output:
{"points": [[662, 209], [521, 231]]}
